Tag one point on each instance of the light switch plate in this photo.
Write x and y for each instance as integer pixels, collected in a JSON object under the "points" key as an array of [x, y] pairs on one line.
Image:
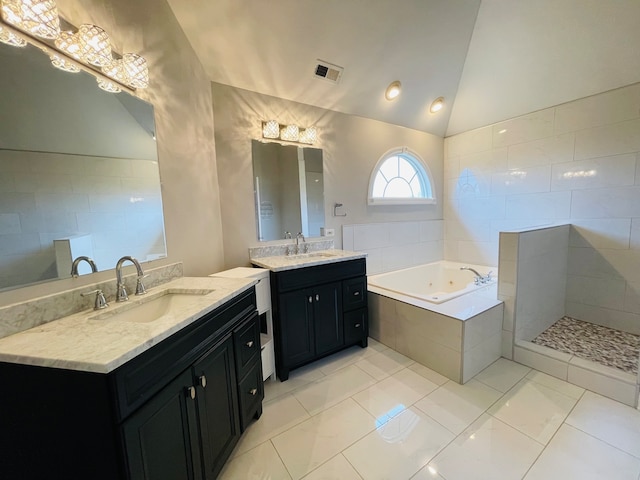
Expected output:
{"points": [[328, 232]]}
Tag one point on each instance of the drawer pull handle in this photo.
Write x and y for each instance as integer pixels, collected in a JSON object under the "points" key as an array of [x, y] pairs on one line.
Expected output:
{"points": [[357, 325], [253, 391], [249, 343], [317, 298], [203, 381], [355, 294], [192, 392], [310, 299]]}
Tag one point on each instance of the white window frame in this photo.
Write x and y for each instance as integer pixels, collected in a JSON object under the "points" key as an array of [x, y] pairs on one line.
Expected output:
{"points": [[425, 174]]}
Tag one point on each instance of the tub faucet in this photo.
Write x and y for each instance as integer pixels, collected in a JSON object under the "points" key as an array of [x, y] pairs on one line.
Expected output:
{"points": [[76, 262], [121, 291], [298, 237], [479, 278]]}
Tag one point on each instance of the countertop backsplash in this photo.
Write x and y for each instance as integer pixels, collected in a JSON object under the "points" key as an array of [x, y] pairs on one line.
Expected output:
{"points": [[281, 249], [25, 315]]}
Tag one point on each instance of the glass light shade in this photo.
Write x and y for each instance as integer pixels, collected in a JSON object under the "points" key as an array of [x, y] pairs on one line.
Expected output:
{"points": [[37, 17], [270, 129], [309, 135], [290, 133], [136, 70], [69, 43], [116, 70], [63, 64], [108, 85], [10, 38], [95, 46]]}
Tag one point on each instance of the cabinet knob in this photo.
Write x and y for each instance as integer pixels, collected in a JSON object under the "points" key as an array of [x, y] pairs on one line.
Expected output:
{"points": [[317, 297], [356, 293], [192, 392], [357, 325], [311, 299], [253, 391], [249, 343], [203, 381]]}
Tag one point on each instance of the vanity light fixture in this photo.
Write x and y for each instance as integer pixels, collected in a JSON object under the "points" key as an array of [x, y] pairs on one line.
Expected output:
{"points": [[88, 48], [271, 129], [393, 90], [290, 133], [36, 17], [10, 38], [437, 105]]}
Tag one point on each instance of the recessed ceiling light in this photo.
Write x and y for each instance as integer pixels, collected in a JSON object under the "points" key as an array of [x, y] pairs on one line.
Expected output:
{"points": [[393, 90], [437, 105], [504, 130]]}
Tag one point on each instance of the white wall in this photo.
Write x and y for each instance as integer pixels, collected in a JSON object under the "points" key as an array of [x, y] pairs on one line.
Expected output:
{"points": [[351, 148], [575, 163]]}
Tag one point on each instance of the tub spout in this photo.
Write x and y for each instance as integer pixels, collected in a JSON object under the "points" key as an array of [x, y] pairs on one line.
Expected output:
{"points": [[479, 278]]}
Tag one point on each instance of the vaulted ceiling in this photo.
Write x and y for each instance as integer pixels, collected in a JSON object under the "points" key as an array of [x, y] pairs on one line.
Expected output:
{"points": [[491, 60]]}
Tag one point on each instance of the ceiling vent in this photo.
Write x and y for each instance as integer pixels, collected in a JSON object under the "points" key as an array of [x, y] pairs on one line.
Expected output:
{"points": [[328, 71]]}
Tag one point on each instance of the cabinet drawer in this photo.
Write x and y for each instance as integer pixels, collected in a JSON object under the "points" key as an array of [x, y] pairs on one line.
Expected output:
{"points": [[356, 326], [354, 293], [251, 393], [246, 340], [299, 278]]}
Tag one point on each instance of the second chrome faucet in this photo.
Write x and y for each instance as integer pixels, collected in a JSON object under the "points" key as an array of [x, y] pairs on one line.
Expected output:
{"points": [[121, 291]]}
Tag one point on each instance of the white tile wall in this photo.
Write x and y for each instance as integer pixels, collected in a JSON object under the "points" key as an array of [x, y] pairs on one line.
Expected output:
{"points": [[114, 199], [577, 164], [395, 245]]}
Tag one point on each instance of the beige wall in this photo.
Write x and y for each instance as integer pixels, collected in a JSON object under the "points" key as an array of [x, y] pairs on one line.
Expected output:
{"points": [[351, 148], [181, 93]]}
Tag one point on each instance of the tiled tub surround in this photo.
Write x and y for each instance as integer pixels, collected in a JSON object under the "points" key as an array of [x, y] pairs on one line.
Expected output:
{"points": [[82, 342], [457, 338], [599, 344], [25, 315], [395, 245], [575, 163]]}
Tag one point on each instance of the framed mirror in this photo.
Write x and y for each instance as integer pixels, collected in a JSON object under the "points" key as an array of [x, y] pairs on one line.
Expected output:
{"points": [[288, 190], [78, 172]]}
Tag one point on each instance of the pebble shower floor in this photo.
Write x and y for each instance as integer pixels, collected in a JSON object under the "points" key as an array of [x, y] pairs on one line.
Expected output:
{"points": [[599, 344]]}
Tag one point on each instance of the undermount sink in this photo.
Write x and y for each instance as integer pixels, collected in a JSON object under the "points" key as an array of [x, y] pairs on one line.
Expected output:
{"points": [[310, 255], [143, 310]]}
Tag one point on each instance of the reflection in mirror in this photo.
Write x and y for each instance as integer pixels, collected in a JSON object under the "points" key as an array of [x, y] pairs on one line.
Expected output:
{"points": [[78, 173], [288, 189]]}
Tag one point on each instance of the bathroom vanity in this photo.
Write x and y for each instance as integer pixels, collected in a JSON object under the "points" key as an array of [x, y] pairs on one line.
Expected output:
{"points": [[319, 305], [172, 411]]}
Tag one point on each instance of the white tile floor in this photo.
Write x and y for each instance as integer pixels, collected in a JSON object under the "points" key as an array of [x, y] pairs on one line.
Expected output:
{"points": [[375, 414]]}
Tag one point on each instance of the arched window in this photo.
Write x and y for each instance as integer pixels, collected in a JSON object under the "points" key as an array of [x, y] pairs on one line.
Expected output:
{"points": [[401, 178]]}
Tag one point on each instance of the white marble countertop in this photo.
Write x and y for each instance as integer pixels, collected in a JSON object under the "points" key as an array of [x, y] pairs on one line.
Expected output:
{"points": [[83, 342], [321, 257]]}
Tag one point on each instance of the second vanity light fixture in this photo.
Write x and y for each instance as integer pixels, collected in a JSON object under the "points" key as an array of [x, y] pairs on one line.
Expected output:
{"points": [[87, 46], [290, 133]]}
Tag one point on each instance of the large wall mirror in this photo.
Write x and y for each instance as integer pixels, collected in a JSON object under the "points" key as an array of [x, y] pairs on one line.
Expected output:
{"points": [[78, 172], [288, 189]]}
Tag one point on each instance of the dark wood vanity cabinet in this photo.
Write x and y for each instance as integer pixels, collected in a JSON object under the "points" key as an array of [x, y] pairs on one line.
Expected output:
{"points": [[318, 310], [174, 412]]}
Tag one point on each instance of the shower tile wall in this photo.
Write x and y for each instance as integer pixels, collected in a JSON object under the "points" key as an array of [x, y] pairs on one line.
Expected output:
{"points": [[395, 245], [574, 163]]}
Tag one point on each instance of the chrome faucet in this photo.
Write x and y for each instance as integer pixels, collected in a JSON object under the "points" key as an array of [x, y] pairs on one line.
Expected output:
{"points": [[479, 278], [298, 237], [121, 291], [76, 262]]}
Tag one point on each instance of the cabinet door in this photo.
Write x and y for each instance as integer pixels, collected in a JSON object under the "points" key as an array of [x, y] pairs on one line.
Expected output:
{"points": [[160, 439], [217, 403], [296, 328], [327, 315]]}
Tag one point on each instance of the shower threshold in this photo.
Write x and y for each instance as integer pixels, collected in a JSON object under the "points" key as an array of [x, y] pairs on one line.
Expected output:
{"points": [[603, 345]]}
